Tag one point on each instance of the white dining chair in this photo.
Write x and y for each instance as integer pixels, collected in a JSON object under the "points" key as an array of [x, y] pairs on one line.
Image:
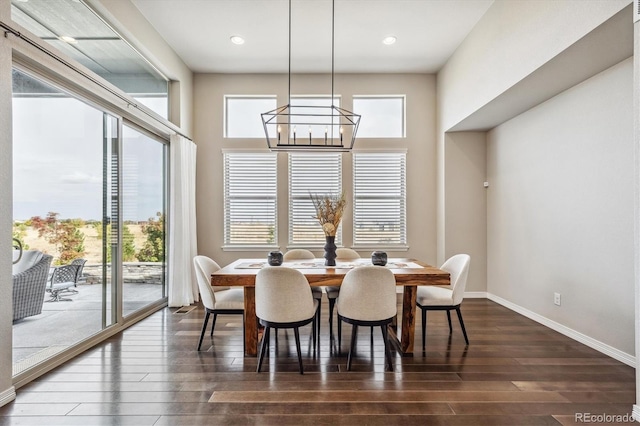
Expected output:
{"points": [[304, 254], [284, 300], [343, 254], [368, 298], [445, 298], [218, 300]]}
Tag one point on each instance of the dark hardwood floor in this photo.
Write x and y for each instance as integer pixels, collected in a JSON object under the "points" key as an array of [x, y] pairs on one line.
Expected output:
{"points": [[514, 372]]}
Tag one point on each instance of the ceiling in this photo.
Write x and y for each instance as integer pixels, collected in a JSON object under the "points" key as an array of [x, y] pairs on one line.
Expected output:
{"points": [[427, 31]]}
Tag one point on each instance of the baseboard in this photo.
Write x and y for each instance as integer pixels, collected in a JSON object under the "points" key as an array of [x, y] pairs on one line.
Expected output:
{"points": [[614, 353], [7, 396], [475, 295]]}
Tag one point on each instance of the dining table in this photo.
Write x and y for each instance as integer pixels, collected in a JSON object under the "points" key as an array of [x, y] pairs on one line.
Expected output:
{"points": [[409, 273]]}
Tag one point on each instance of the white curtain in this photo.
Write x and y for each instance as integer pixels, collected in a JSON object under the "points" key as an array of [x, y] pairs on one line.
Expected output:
{"points": [[183, 287]]}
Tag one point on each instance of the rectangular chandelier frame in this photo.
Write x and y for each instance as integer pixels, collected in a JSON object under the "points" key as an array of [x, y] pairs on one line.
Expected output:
{"points": [[306, 127]]}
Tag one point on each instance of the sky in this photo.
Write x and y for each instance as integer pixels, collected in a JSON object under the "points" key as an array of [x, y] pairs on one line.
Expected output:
{"points": [[58, 162]]}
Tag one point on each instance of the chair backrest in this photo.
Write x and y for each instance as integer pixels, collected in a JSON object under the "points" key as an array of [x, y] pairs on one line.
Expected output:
{"points": [[65, 274], [80, 263], [29, 259], [368, 293], [204, 267], [297, 254], [283, 295], [346, 254], [458, 268]]}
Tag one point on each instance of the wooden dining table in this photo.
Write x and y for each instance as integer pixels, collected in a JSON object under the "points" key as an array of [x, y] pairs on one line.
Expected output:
{"points": [[409, 273]]}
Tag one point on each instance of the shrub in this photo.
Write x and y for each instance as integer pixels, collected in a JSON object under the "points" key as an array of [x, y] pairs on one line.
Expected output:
{"points": [[153, 248]]}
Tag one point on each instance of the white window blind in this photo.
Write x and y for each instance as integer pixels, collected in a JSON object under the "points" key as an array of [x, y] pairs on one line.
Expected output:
{"points": [[379, 193], [250, 202], [318, 173]]}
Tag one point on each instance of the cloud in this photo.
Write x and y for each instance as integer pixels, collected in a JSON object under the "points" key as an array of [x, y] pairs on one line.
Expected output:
{"points": [[79, 178]]}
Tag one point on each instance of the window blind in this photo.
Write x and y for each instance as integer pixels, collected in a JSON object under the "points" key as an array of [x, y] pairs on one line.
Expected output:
{"points": [[250, 202], [379, 193], [318, 173]]}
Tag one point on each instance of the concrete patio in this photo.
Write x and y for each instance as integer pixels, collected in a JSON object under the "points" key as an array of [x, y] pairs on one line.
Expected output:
{"points": [[62, 324]]}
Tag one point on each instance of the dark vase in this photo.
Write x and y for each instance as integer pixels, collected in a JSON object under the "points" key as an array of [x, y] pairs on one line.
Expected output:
{"points": [[274, 258], [379, 258], [330, 251]]}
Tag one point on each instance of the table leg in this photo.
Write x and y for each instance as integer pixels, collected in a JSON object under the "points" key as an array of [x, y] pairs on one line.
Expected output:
{"points": [[250, 322], [408, 319]]}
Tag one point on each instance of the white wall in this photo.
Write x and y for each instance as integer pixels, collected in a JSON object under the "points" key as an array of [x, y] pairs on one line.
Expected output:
{"points": [[466, 203], [560, 208], [513, 39], [420, 142], [130, 23]]}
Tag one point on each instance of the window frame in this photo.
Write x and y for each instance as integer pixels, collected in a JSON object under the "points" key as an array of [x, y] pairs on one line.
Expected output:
{"points": [[227, 244], [403, 118], [401, 245], [291, 197], [225, 113]]}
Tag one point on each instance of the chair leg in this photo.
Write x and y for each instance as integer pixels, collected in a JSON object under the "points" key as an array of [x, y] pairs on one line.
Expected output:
{"points": [[424, 328], [204, 328], [296, 333], [449, 319], [215, 317], [264, 347], [354, 332], [339, 335], [332, 304], [464, 331], [314, 331], [371, 336], [387, 354]]}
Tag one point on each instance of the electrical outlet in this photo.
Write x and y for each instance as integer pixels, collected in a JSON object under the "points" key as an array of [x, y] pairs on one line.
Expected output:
{"points": [[556, 299]]}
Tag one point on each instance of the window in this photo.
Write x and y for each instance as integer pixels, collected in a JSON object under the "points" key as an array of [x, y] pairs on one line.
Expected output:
{"points": [[242, 116], [379, 194], [96, 46], [319, 173], [382, 116], [250, 202], [303, 127]]}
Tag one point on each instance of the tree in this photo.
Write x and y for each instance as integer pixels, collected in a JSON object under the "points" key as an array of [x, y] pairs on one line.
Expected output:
{"points": [[128, 246], [153, 248], [19, 231], [65, 235]]}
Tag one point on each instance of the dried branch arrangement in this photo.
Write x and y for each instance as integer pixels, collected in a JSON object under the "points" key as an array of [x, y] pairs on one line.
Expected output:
{"points": [[329, 209]]}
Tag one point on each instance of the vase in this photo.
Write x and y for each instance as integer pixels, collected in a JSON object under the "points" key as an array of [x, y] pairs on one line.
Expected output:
{"points": [[274, 258], [330, 251], [379, 258]]}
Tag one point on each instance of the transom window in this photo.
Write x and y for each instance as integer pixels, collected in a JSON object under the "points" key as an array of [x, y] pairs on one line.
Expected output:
{"points": [[242, 116], [382, 116]]}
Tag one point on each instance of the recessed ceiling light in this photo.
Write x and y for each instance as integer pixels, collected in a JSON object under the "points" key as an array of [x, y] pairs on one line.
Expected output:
{"points": [[389, 40], [68, 39], [237, 39]]}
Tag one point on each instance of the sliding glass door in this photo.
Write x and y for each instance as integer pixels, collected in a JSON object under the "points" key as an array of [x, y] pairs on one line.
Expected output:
{"points": [[143, 213], [88, 198]]}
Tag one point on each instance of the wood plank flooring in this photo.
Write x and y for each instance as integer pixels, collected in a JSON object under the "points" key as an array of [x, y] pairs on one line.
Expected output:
{"points": [[514, 372]]}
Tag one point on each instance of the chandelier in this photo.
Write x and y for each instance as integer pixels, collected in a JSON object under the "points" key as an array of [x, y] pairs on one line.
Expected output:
{"points": [[311, 127]]}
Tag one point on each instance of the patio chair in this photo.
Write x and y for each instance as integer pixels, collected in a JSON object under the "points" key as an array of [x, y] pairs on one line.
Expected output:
{"points": [[63, 278], [29, 283], [80, 263]]}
